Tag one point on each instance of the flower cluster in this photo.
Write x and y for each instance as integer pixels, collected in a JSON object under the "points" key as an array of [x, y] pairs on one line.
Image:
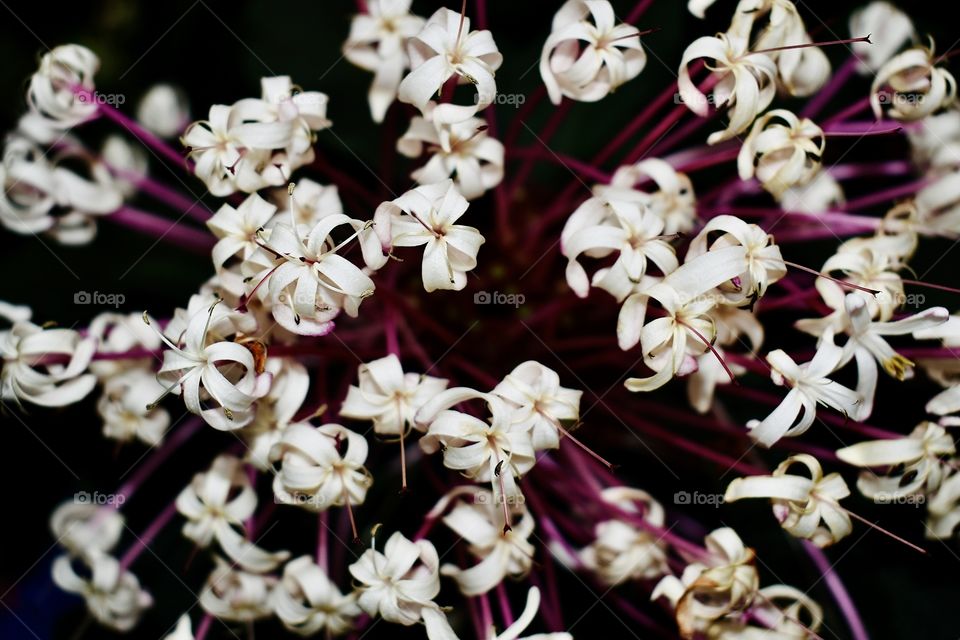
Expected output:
{"points": [[326, 358]]}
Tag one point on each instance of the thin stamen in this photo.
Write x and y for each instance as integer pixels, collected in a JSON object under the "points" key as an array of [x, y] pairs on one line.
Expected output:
{"points": [[353, 523], [939, 287], [872, 525], [503, 497], [842, 283], [860, 134], [788, 47], [713, 350], [593, 454], [463, 16]]}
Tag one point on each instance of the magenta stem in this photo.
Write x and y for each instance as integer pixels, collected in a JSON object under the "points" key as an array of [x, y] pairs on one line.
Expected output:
{"points": [[184, 204], [486, 613], [150, 533], [204, 627], [852, 110], [586, 170], [323, 541], [543, 138], [837, 81], [868, 169], [505, 611], [839, 591], [638, 10], [158, 457], [162, 229], [136, 130], [886, 195]]}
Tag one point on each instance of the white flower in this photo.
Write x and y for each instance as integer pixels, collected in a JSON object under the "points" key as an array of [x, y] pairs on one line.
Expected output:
{"points": [[502, 549], [217, 501], [588, 55], [224, 322], [731, 323], [673, 201], [599, 228], [235, 595], [307, 602], [84, 527], [747, 82], [398, 583], [444, 48], [276, 410], [670, 343], [810, 385], [40, 195], [113, 595], [256, 142], [909, 87], [237, 230], [389, 397], [314, 474], [764, 264], [915, 462], [869, 265], [425, 216], [203, 364], [708, 592], [935, 141], [377, 42], [216, 150], [821, 193], [621, 551], [304, 278], [797, 619], [498, 451], [943, 370], [164, 110], [462, 150], [438, 628], [938, 202], [540, 403], [282, 101], [31, 372], [801, 71], [53, 92], [126, 159], [869, 347], [310, 202], [125, 408], [889, 28], [943, 509], [119, 333], [800, 503], [782, 151]]}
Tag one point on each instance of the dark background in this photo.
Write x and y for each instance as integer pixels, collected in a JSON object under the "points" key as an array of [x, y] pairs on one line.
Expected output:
{"points": [[217, 51]]}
